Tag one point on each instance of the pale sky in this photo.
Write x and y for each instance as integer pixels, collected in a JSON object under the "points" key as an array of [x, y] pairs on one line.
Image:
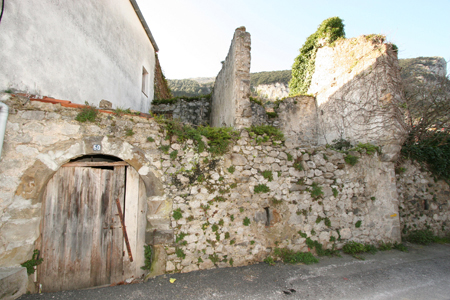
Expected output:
{"points": [[194, 36]]}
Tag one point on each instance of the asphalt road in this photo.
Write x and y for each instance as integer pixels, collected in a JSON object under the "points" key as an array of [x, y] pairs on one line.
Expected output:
{"points": [[421, 273]]}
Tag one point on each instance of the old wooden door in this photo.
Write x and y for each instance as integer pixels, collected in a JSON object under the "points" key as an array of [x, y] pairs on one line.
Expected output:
{"points": [[82, 240]]}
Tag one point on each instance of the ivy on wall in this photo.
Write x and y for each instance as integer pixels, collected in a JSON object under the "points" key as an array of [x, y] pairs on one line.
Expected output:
{"points": [[304, 65]]}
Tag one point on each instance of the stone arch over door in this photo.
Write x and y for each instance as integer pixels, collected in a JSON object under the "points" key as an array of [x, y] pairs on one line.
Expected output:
{"points": [[35, 179]]}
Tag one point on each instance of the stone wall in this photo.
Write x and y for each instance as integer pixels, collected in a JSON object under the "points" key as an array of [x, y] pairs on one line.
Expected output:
{"points": [[298, 120], [272, 92], [424, 203], [195, 112], [231, 96], [357, 86], [224, 220], [222, 216]]}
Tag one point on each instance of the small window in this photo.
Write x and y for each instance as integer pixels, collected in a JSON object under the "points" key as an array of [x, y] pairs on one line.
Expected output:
{"points": [[144, 81]]}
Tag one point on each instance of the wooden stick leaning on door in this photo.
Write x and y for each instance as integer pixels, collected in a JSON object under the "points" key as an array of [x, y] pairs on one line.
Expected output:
{"points": [[124, 230]]}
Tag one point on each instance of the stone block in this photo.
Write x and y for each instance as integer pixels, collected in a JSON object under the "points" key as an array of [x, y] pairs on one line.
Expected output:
{"points": [[159, 237], [13, 282]]}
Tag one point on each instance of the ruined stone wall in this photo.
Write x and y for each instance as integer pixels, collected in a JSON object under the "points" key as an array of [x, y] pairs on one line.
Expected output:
{"points": [[424, 203], [298, 120], [357, 86], [272, 92], [191, 112], [222, 219], [230, 99]]}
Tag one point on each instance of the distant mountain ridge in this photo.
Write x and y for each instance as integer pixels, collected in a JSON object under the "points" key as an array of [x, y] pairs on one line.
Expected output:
{"points": [[273, 85]]}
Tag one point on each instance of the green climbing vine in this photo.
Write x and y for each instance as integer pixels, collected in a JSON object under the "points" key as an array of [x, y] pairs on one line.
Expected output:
{"points": [[304, 65]]}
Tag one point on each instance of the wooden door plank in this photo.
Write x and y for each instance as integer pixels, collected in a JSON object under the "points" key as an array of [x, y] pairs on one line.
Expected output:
{"points": [[48, 249], [98, 268], [104, 242], [74, 193], [130, 213], [63, 237], [85, 225], [117, 236]]}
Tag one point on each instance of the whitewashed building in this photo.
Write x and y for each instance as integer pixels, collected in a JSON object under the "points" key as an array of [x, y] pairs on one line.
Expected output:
{"points": [[79, 51]]}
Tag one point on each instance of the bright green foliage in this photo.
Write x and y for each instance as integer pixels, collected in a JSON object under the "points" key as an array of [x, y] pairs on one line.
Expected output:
{"points": [[335, 192], [319, 248], [423, 237], [246, 221], [201, 178], [271, 114], [261, 188], [433, 150], [304, 65], [87, 113], [231, 169], [354, 248], [177, 214], [340, 145], [267, 174], [173, 154], [119, 111], [215, 227], [269, 260], [384, 246], [292, 257], [298, 164], [129, 132], [351, 159], [29, 264], [302, 234], [214, 257], [267, 130], [316, 191], [400, 247], [180, 253], [148, 257], [289, 157], [256, 100], [276, 202], [150, 139], [370, 149], [180, 237], [165, 148], [218, 137]]}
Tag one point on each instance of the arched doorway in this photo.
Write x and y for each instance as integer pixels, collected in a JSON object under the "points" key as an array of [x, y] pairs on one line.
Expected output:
{"points": [[93, 228]]}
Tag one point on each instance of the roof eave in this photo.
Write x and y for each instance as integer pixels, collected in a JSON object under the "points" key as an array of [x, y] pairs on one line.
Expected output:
{"points": [[144, 24]]}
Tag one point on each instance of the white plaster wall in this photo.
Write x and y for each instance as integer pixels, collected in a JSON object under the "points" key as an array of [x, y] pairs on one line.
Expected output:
{"points": [[76, 50]]}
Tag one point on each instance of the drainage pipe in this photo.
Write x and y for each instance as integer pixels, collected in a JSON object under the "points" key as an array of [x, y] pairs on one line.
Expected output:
{"points": [[3, 118]]}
